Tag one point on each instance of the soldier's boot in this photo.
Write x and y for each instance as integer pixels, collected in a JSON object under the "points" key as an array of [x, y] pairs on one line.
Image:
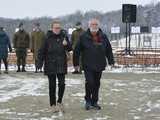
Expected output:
{"points": [[36, 71], [41, 70], [19, 69], [6, 68], [23, 69]]}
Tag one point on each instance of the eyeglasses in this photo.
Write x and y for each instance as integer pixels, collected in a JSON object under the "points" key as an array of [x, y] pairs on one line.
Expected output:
{"points": [[95, 24], [57, 28]]}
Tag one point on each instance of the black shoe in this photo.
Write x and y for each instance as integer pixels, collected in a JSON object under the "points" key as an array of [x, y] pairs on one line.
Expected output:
{"points": [[88, 106], [23, 70], [19, 70], [96, 106], [75, 72]]}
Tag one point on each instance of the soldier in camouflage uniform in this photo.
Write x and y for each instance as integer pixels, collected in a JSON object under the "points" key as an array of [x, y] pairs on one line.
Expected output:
{"points": [[21, 43], [37, 38], [74, 38]]}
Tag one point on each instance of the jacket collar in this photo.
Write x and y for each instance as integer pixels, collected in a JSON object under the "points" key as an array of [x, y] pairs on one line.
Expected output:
{"points": [[89, 35]]}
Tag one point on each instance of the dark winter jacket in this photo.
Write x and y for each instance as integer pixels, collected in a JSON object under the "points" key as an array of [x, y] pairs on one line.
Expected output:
{"points": [[93, 54], [53, 53], [4, 45]]}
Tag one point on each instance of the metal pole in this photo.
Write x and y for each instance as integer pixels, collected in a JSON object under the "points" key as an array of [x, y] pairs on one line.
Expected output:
{"points": [[129, 48], [126, 38]]}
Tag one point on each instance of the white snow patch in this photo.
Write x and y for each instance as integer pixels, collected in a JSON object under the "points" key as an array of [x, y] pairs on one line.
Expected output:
{"points": [[116, 90], [120, 85], [14, 87], [113, 104], [78, 95], [152, 106], [137, 118], [72, 82], [156, 89], [21, 85]]}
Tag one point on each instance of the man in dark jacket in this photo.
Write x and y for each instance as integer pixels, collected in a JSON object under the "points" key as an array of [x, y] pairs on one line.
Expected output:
{"points": [[21, 41], [4, 45], [53, 55], [74, 38], [94, 47]]}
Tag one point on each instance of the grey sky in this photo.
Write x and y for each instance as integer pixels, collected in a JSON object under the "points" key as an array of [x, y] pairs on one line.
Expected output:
{"points": [[54, 8]]}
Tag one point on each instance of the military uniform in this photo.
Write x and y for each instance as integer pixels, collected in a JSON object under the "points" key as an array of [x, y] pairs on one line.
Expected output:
{"points": [[21, 43], [74, 39], [37, 38]]}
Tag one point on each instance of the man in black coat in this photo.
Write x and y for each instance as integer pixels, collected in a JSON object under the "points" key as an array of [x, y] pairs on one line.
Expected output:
{"points": [[53, 55], [94, 47]]}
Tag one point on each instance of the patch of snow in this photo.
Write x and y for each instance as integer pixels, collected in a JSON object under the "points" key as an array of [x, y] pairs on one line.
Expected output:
{"points": [[120, 85], [152, 106], [116, 90], [78, 95], [113, 104], [72, 82], [137, 118], [156, 89]]}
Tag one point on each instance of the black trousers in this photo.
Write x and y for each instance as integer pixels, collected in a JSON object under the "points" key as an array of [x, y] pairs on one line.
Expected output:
{"points": [[92, 85], [52, 88], [5, 63]]}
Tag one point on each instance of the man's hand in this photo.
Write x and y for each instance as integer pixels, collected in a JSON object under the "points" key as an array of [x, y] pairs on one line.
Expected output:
{"points": [[64, 42], [71, 52]]}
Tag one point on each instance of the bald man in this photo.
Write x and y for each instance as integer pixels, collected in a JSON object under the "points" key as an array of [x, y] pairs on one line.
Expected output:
{"points": [[94, 47]]}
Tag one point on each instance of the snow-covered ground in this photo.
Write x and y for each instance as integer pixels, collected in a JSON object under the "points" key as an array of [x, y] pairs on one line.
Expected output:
{"points": [[123, 96], [117, 69]]}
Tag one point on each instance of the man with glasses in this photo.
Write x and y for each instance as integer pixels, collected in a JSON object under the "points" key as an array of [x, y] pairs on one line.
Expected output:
{"points": [[94, 47]]}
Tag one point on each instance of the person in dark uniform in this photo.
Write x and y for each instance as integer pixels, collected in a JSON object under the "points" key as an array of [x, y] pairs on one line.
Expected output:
{"points": [[53, 55], [94, 47], [21, 41]]}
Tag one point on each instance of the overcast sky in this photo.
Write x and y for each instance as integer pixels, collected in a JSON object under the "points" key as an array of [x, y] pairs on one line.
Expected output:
{"points": [[54, 8]]}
